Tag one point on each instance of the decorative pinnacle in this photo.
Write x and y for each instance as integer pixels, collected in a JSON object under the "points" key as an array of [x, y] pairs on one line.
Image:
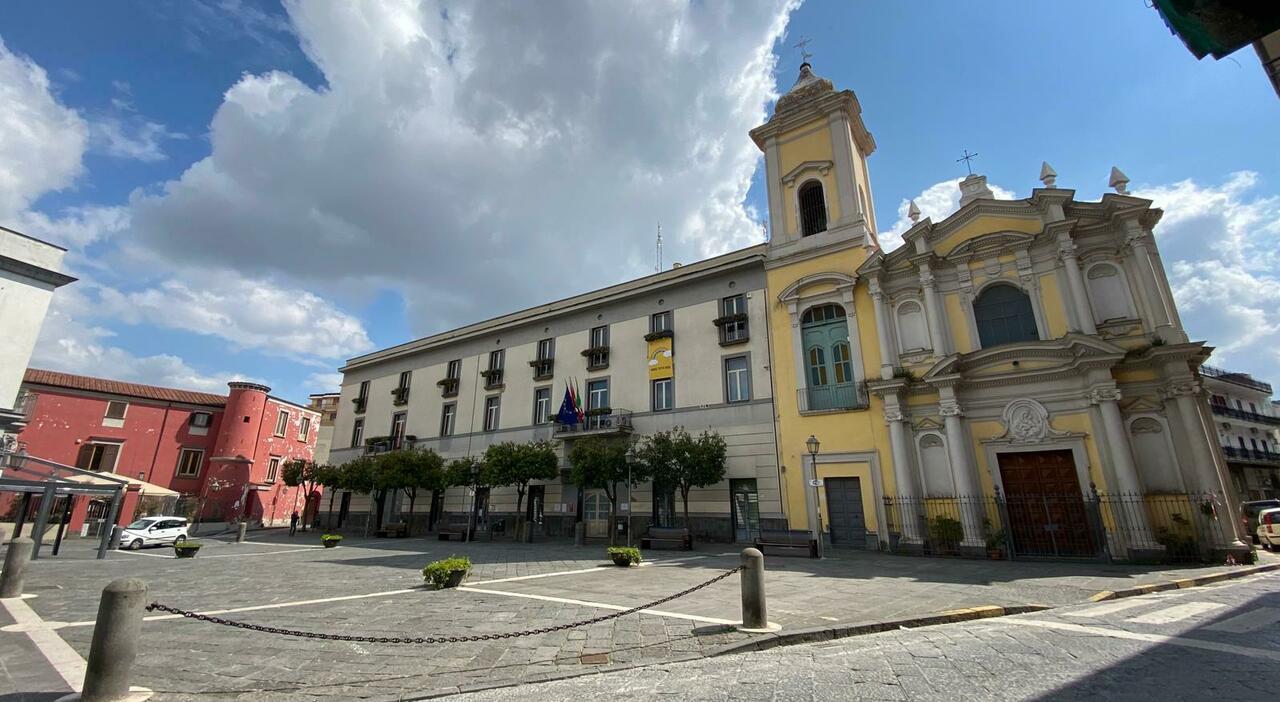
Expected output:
{"points": [[1048, 176], [1119, 181], [913, 212]]}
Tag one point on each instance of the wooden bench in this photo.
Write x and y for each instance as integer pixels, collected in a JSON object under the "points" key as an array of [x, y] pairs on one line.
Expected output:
{"points": [[787, 538], [396, 530], [455, 528], [667, 535]]}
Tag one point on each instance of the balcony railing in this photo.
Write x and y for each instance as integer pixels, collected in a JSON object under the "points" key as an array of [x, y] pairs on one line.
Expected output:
{"points": [[1244, 454], [616, 421], [1244, 414], [1239, 378], [836, 397]]}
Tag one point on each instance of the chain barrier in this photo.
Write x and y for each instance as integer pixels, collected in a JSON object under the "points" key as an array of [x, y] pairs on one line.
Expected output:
{"points": [[156, 606]]}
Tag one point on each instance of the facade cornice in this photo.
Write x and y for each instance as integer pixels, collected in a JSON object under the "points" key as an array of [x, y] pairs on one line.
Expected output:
{"points": [[818, 108], [39, 273]]}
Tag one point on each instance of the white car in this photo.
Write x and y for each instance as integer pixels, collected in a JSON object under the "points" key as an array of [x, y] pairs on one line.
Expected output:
{"points": [[1269, 528], [152, 531]]}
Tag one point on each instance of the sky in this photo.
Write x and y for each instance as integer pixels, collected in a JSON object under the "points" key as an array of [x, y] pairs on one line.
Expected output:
{"points": [[256, 190]]}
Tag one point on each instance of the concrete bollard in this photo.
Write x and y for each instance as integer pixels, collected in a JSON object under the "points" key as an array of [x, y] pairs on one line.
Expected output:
{"points": [[15, 566], [580, 534], [115, 641], [240, 530], [755, 617]]}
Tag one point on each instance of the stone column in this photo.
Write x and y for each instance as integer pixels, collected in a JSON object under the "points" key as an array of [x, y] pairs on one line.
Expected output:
{"points": [[967, 483], [888, 358], [909, 502], [1131, 509], [1075, 282], [934, 311], [1205, 476], [1151, 290]]}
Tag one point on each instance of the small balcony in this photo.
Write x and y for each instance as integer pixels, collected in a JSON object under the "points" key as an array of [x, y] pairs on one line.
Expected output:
{"points": [[448, 387], [360, 404], [1244, 415], [597, 357], [400, 396], [604, 421], [543, 368], [1235, 453], [836, 397], [492, 378]]}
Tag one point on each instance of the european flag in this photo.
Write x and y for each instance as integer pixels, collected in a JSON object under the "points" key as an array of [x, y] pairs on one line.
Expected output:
{"points": [[568, 413]]}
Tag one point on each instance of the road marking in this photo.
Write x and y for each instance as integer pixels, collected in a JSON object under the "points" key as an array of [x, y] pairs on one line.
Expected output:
{"points": [[64, 659], [1252, 620], [1150, 638], [594, 569], [254, 608], [599, 605], [1176, 613], [1108, 608], [221, 555]]}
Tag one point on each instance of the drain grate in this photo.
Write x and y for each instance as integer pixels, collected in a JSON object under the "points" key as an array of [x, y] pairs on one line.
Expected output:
{"points": [[593, 658]]}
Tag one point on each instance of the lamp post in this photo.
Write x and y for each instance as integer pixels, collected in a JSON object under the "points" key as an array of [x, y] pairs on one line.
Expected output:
{"points": [[815, 516]]}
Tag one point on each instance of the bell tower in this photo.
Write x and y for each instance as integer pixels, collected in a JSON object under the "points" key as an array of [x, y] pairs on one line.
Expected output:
{"points": [[815, 152]]}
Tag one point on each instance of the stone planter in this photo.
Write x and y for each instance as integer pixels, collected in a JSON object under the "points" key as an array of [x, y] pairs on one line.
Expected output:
{"points": [[621, 560], [331, 543], [186, 551], [455, 578]]}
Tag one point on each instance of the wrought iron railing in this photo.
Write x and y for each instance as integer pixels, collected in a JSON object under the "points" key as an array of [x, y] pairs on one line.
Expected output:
{"points": [[1235, 377], [1250, 454], [1243, 414], [615, 420], [836, 396]]}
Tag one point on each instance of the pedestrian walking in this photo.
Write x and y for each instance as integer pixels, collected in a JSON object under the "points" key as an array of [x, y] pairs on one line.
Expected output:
{"points": [[293, 523]]}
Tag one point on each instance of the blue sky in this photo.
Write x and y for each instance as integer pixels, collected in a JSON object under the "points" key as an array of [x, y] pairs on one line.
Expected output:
{"points": [[251, 190]]}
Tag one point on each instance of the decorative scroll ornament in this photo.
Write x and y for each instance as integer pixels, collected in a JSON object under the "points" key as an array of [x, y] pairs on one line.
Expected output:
{"points": [[1190, 388], [1027, 421], [1104, 394], [949, 408], [893, 415]]}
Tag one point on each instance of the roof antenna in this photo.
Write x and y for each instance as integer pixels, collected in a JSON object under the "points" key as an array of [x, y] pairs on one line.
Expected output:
{"points": [[658, 267]]}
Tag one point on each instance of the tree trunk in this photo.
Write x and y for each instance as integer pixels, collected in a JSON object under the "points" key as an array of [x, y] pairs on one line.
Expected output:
{"points": [[684, 497], [329, 521], [412, 497], [613, 511]]}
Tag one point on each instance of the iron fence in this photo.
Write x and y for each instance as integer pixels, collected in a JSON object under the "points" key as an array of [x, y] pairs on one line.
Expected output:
{"points": [[1172, 528]]}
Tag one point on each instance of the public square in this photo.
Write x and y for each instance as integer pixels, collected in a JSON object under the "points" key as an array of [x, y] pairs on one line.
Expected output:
{"points": [[374, 587]]}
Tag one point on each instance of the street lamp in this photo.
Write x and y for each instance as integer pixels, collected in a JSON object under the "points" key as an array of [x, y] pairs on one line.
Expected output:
{"points": [[815, 516]]}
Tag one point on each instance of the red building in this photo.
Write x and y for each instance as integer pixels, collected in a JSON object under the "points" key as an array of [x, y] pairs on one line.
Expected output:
{"points": [[222, 454]]}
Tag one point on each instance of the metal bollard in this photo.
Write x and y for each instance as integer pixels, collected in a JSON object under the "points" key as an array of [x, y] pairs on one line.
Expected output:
{"points": [[754, 615], [580, 534], [15, 566], [115, 641], [240, 530]]}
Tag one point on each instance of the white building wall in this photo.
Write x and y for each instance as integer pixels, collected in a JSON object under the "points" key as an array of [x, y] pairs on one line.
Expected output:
{"points": [[29, 273]]}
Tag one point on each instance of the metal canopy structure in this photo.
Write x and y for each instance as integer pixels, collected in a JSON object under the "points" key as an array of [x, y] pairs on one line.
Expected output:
{"points": [[28, 475]]}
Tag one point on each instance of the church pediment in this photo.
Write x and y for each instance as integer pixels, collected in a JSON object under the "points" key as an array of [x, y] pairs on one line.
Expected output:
{"points": [[990, 245], [1027, 361], [826, 279]]}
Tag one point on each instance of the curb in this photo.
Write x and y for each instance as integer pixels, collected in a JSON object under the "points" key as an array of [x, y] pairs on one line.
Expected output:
{"points": [[1183, 583], [827, 633]]}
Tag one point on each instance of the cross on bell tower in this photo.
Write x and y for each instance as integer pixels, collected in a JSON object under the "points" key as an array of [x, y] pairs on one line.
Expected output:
{"points": [[803, 46], [967, 158]]}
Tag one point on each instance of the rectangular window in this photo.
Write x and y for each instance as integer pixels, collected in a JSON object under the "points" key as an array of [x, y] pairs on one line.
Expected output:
{"points": [[282, 422], [491, 405], [98, 457], [405, 378], [200, 419], [361, 400], [598, 348], [446, 419], [493, 375], [546, 349], [544, 363], [304, 428], [401, 391], [116, 410], [598, 394], [1253, 408], [541, 405], [455, 369], [449, 385], [660, 322], [397, 428], [357, 433], [737, 379], [273, 469], [662, 397], [733, 319], [189, 463]]}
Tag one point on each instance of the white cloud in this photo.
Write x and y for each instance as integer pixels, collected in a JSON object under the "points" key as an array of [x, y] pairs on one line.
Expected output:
{"points": [[936, 202], [323, 382], [41, 141], [246, 313], [480, 158], [130, 137]]}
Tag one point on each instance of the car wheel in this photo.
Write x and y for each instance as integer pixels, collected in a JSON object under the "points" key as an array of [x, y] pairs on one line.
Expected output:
{"points": [[181, 537], [135, 545]]}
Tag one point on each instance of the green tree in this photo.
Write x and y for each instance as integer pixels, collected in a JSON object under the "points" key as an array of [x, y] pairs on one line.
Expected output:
{"points": [[331, 478], [361, 475], [469, 472], [676, 460], [510, 463], [411, 470], [301, 473], [601, 462]]}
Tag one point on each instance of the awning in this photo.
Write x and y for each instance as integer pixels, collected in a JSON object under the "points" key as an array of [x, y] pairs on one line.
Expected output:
{"points": [[144, 487]]}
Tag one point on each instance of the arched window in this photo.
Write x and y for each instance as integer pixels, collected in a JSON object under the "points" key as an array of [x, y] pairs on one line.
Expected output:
{"points": [[830, 382], [817, 366], [840, 362], [1004, 316], [813, 209], [1107, 294], [821, 314], [912, 331], [936, 467]]}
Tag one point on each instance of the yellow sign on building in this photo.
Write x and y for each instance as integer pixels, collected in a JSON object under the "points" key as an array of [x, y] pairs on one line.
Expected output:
{"points": [[660, 362]]}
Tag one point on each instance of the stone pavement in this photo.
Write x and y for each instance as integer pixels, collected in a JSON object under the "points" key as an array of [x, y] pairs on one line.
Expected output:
{"points": [[1218, 642], [373, 587]]}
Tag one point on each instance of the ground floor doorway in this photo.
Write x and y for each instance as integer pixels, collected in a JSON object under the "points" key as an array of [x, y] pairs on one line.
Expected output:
{"points": [[745, 504], [1046, 508], [847, 521], [595, 513]]}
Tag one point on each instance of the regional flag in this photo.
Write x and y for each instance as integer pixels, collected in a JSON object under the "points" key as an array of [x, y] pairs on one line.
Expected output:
{"points": [[568, 413]]}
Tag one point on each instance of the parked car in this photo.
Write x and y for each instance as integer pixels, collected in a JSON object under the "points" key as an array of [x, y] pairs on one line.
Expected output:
{"points": [[1268, 532], [1249, 515], [153, 531]]}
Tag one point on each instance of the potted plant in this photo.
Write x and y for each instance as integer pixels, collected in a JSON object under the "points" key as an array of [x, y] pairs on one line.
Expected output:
{"points": [[185, 549], [624, 556], [331, 540], [448, 572], [945, 534], [995, 545]]}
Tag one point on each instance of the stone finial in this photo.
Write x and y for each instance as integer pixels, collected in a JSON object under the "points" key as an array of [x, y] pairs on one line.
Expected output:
{"points": [[1119, 181], [974, 188], [913, 212], [1048, 176]]}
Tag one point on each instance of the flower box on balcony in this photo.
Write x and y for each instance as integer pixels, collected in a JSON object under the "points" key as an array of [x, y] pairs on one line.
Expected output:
{"points": [[492, 378], [448, 387], [661, 334], [360, 404], [729, 318], [400, 396], [542, 368]]}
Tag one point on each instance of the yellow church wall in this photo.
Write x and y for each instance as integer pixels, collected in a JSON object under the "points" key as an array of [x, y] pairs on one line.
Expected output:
{"points": [[986, 224], [1134, 375], [960, 340], [859, 470], [1055, 308], [1075, 423], [796, 147]]}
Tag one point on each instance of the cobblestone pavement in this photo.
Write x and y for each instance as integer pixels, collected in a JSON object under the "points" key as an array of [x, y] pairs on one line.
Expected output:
{"points": [[1217, 642], [373, 587]]}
